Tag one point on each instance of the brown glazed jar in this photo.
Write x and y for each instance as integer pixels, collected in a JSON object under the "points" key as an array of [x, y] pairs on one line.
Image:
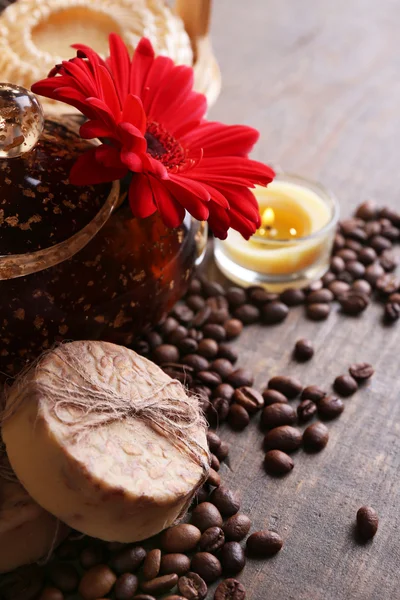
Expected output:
{"points": [[74, 262]]}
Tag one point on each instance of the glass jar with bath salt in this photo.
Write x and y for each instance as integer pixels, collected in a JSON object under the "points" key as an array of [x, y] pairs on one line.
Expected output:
{"points": [[74, 262]]}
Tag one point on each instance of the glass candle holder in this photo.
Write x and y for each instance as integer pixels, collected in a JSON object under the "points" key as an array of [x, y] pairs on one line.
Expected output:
{"points": [[293, 246]]}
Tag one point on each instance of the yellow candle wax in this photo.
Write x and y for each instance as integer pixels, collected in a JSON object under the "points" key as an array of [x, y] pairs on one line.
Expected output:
{"points": [[288, 240]]}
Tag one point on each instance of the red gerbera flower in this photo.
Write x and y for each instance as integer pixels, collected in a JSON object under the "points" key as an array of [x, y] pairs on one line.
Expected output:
{"points": [[154, 127]]}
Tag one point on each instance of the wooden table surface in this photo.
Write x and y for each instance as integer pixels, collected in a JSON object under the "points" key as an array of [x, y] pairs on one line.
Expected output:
{"points": [[321, 81]]}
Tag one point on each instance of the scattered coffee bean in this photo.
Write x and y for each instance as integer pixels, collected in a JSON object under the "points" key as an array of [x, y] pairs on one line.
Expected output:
{"points": [[388, 284], [315, 437], [236, 296], [188, 346], [361, 285], [225, 500], [97, 582], [337, 265], [194, 286], [238, 417], [263, 544], [169, 325], [214, 441], [173, 597], [392, 312], [306, 410], [126, 586], [380, 243], [195, 302], [196, 362], [206, 515], [51, 593], [367, 522], [227, 351], [247, 314], [273, 313], [278, 414], [180, 538], [293, 297], [367, 211], [388, 261], [208, 348], [213, 478], [207, 566], [91, 556], [273, 396], [345, 385], [219, 410], [212, 540], [330, 407], [318, 312], [313, 392], [303, 350], [289, 386], [65, 577], [212, 288], [222, 366], [240, 378], [233, 328], [215, 332], [249, 398], [128, 559], [373, 272], [177, 335], [277, 462], [346, 254], [209, 378], [233, 558], [223, 451], [151, 565], [328, 278], [174, 563], [192, 586], [356, 269], [224, 390], [202, 316], [160, 585], [323, 296], [361, 371], [183, 313], [236, 527], [353, 303], [230, 589], [285, 438]]}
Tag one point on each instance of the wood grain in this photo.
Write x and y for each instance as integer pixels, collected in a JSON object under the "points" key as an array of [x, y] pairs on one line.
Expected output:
{"points": [[321, 81]]}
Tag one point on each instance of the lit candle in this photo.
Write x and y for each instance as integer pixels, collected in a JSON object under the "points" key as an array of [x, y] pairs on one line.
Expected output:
{"points": [[292, 245]]}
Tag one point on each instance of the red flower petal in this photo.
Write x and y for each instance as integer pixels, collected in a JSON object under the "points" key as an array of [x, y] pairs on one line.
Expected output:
{"points": [[133, 112], [217, 139], [172, 213], [141, 63], [87, 171], [132, 161], [189, 199], [141, 198], [94, 129], [218, 220], [120, 65]]}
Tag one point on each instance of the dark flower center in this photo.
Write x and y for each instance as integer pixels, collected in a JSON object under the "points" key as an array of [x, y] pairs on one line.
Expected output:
{"points": [[164, 147]]}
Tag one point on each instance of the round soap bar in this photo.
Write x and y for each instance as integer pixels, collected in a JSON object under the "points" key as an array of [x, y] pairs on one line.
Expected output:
{"points": [[104, 440]]}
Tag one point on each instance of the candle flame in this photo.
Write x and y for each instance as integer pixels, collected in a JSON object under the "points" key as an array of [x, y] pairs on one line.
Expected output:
{"points": [[267, 218]]}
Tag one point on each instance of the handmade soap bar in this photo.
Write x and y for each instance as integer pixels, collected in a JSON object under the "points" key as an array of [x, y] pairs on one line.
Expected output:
{"points": [[106, 441], [27, 531]]}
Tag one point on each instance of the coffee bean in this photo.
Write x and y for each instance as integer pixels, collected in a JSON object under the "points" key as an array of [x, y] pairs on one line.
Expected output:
{"points": [[278, 414], [214, 441], [249, 398], [257, 295], [314, 286], [160, 585], [169, 325], [226, 351], [346, 254], [361, 371], [177, 335], [151, 565], [247, 314], [238, 417], [222, 366], [240, 378], [68, 550], [318, 312], [353, 303], [173, 597], [236, 527], [212, 540], [315, 437], [166, 353], [195, 302], [207, 566], [91, 556], [51, 593], [328, 278], [380, 243], [390, 214], [196, 362], [356, 269], [273, 396], [345, 385], [65, 577], [233, 558], [372, 228], [219, 309], [25, 583], [274, 313], [230, 589], [224, 390], [195, 334], [394, 298], [338, 242], [388, 261], [320, 297], [367, 522], [313, 392], [289, 386], [128, 559], [392, 312], [233, 328], [195, 286], [346, 277], [339, 287], [285, 438], [361, 285], [208, 348], [219, 410], [201, 496], [293, 297], [367, 211], [192, 586], [373, 272], [388, 284], [330, 407], [223, 451], [202, 316], [180, 538], [225, 500], [188, 346], [306, 410], [206, 515], [126, 586], [262, 544], [97, 582], [337, 264], [213, 478], [354, 244], [236, 296], [175, 563], [183, 313], [209, 378], [212, 288], [277, 462], [214, 331], [303, 350], [367, 256]]}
